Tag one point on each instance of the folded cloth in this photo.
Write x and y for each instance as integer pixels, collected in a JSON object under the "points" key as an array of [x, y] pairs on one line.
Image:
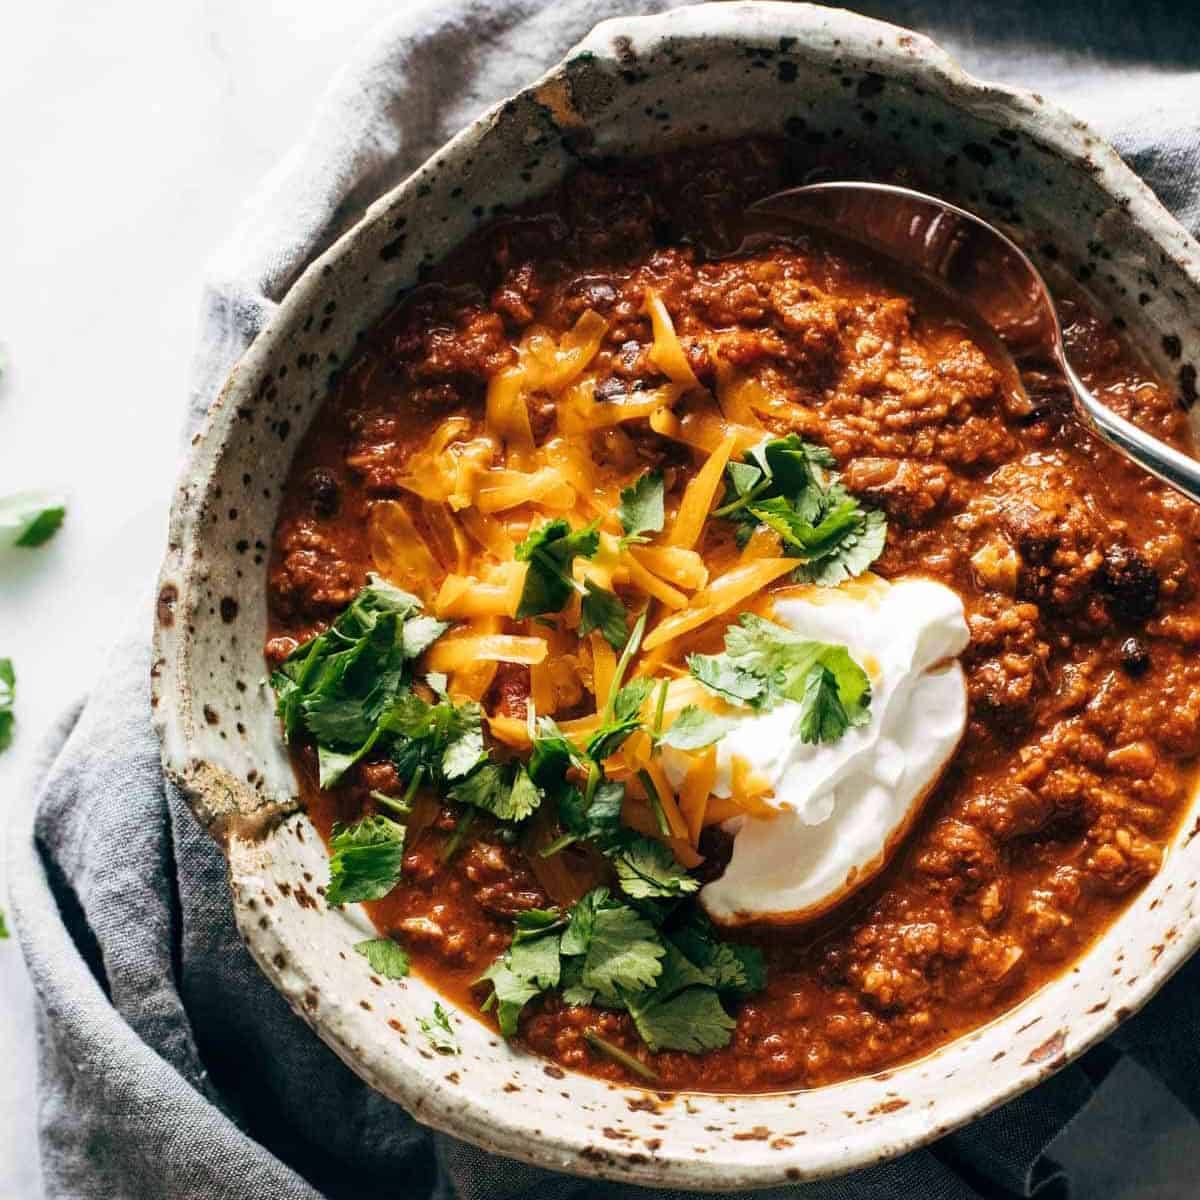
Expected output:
{"points": [[169, 1065]]}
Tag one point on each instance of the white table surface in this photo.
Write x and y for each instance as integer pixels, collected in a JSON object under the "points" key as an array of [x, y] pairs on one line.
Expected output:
{"points": [[131, 130]]}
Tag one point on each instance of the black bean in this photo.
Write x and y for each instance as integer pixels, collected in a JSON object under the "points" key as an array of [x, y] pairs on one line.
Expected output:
{"points": [[1135, 657], [324, 493], [1131, 584]]}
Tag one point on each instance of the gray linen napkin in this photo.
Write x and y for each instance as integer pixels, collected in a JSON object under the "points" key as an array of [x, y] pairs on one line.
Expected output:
{"points": [[169, 1066]]}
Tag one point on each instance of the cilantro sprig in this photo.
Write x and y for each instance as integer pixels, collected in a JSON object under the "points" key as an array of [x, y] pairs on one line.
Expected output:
{"points": [[765, 664], [366, 860], [641, 510], [550, 551], [8, 695], [30, 519], [438, 1030], [791, 486], [606, 952]]}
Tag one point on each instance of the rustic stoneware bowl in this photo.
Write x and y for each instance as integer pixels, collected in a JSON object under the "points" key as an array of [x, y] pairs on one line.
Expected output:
{"points": [[826, 78]]}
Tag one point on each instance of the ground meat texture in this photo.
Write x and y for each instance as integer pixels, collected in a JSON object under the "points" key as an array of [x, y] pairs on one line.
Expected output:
{"points": [[1076, 573], [309, 574], [909, 491]]}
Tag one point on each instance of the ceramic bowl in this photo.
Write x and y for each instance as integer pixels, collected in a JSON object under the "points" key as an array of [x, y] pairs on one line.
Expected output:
{"points": [[814, 74]]}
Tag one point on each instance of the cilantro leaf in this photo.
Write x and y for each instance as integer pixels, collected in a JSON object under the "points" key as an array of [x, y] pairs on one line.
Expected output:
{"points": [[8, 693], [3, 926], [439, 1031], [553, 754], [550, 550], [696, 728], [603, 610], [386, 958], [507, 792], [723, 677], [769, 663], [348, 687], [366, 861], [598, 822], [853, 553], [625, 718], [30, 519], [822, 717], [641, 508], [693, 1020], [624, 953], [727, 966], [530, 966], [582, 919], [648, 870], [791, 486]]}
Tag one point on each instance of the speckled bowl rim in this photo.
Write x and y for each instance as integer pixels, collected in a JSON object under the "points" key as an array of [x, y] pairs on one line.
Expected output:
{"points": [[502, 1128]]}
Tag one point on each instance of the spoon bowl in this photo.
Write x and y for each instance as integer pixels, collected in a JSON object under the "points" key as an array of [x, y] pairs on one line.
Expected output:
{"points": [[971, 260]]}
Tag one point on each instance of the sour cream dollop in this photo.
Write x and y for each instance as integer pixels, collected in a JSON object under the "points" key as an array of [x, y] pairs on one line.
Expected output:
{"points": [[843, 806]]}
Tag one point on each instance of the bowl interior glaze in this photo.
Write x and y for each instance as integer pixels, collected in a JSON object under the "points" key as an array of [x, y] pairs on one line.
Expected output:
{"points": [[832, 82]]}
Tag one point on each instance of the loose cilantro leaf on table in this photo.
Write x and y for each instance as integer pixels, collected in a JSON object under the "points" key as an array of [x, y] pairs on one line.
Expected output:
{"points": [[8, 693], [601, 609], [764, 664], [30, 519], [386, 958], [366, 860], [790, 486], [507, 792], [550, 550], [439, 1031], [696, 728], [641, 509]]}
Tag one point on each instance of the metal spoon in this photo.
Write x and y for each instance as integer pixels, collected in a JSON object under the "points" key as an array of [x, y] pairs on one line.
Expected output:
{"points": [[964, 255]]}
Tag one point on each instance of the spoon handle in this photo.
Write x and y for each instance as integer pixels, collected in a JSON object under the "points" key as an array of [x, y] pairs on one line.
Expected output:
{"points": [[1165, 462]]}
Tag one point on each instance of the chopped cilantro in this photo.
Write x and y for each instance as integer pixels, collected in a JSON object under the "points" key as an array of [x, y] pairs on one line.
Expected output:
{"points": [[507, 792], [598, 821], [693, 1020], [386, 958], [623, 718], [790, 486], [765, 663], [530, 966], [31, 519], [8, 694], [3, 926], [439, 1031], [648, 870], [624, 952], [550, 550], [641, 508], [366, 860], [696, 728], [348, 689], [601, 609]]}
